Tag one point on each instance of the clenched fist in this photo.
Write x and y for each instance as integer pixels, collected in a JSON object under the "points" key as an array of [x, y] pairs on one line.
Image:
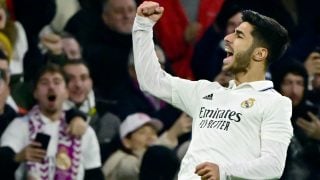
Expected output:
{"points": [[151, 10]]}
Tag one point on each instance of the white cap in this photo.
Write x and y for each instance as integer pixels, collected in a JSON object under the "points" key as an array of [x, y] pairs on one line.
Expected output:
{"points": [[137, 120]]}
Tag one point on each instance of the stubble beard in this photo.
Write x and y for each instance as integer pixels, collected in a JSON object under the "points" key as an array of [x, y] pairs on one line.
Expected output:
{"points": [[242, 61]]}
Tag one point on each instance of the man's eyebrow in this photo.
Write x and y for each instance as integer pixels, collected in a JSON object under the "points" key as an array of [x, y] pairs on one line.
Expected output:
{"points": [[239, 32]]}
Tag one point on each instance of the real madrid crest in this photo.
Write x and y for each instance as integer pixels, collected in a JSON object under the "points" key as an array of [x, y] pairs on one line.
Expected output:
{"points": [[63, 161], [248, 103]]}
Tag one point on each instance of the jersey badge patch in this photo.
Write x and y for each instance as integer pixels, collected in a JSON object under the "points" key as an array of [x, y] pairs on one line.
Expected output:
{"points": [[248, 103]]}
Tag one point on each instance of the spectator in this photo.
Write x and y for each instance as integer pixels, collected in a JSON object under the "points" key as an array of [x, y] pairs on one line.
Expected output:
{"points": [[7, 113], [17, 37], [67, 156], [26, 11], [312, 64], [137, 133], [81, 96], [303, 160], [134, 100], [61, 47], [107, 48], [85, 21]]}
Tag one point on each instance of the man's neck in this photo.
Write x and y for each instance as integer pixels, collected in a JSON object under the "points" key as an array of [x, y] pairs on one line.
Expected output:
{"points": [[53, 116], [249, 76]]}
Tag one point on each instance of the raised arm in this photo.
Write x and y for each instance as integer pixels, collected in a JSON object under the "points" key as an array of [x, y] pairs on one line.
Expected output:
{"points": [[150, 75], [182, 93]]}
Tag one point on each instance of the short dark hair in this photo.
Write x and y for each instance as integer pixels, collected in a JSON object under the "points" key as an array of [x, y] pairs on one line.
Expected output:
{"points": [[268, 33], [48, 68], [77, 62], [295, 67]]}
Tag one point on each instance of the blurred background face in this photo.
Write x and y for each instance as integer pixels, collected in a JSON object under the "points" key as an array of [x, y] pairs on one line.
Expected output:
{"points": [[223, 78], [79, 82], [233, 22], [50, 92], [142, 138], [292, 86], [119, 15]]}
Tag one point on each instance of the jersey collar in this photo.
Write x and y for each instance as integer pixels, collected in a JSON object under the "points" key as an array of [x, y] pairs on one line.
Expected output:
{"points": [[257, 85]]}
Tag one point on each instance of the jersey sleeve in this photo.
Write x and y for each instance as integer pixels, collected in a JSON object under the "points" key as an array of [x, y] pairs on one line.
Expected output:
{"points": [[276, 133], [180, 92], [150, 76], [276, 123], [269, 165], [16, 135]]}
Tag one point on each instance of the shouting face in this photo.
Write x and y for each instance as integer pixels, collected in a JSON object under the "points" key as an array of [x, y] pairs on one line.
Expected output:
{"points": [[239, 47], [50, 92]]}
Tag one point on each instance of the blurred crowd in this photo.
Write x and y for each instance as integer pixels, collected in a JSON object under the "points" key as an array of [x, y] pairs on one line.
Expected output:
{"points": [[57, 55]]}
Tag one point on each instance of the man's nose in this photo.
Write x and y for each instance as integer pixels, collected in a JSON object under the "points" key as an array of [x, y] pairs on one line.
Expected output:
{"points": [[78, 83], [296, 89], [127, 13], [228, 38]]}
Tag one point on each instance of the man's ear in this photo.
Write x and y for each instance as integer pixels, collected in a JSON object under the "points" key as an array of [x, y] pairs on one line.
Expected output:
{"points": [[260, 54]]}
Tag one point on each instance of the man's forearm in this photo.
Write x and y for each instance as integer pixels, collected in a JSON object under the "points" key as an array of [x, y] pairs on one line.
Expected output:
{"points": [[150, 75], [269, 165]]}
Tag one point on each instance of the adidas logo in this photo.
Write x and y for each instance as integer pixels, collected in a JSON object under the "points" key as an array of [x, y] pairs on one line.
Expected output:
{"points": [[208, 97]]}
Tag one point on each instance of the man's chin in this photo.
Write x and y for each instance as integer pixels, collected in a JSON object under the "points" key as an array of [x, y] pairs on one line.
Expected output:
{"points": [[51, 110], [227, 67]]}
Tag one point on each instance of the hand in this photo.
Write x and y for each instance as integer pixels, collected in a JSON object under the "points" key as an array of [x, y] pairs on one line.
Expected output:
{"points": [[191, 32], [182, 125], [312, 63], [311, 128], [31, 152], [77, 127], [52, 42], [151, 10], [208, 171]]}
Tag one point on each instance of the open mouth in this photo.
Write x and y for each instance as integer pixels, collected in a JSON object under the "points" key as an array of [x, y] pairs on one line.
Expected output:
{"points": [[229, 52], [52, 98], [229, 58]]}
